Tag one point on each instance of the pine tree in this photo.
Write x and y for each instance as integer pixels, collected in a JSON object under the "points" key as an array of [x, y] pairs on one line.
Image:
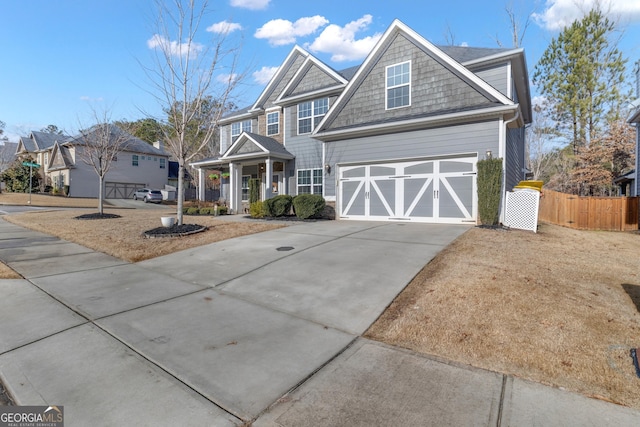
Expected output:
{"points": [[581, 73]]}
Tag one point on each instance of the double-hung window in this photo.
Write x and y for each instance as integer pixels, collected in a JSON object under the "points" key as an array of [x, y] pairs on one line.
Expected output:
{"points": [[134, 160], [163, 163], [398, 85], [310, 114], [238, 127], [310, 181], [273, 123]]}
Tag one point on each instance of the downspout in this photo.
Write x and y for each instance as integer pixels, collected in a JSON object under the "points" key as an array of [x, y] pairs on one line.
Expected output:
{"points": [[504, 165]]}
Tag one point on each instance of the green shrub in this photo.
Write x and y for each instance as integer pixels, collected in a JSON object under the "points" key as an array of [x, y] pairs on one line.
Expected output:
{"points": [[193, 211], [16, 178], [254, 190], [206, 211], [278, 206], [222, 210], [256, 209], [308, 205], [489, 190]]}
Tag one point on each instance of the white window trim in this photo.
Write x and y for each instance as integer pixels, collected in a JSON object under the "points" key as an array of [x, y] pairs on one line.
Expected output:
{"points": [[386, 87], [240, 124], [311, 184], [277, 123], [312, 116], [242, 188]]}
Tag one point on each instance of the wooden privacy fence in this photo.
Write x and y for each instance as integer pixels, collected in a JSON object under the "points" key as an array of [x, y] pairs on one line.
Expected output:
{"points": [[589, 213]]}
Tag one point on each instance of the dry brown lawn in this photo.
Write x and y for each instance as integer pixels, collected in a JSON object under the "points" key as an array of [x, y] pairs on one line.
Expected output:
{"points": [[560, 307], [46, 200], [122, 237]]}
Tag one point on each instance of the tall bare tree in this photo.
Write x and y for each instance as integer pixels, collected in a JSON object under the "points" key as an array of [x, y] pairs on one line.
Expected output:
{"points": [[187, 72], [98, 146], [542, 138]]}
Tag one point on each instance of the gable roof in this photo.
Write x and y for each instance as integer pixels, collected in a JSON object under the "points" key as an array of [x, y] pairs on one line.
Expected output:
{"points": [[494, 100], [39, 141], [45, 140], [324, 80], [8, 152], [251, 144], [130, 142], [60, 158], [296, 53]]}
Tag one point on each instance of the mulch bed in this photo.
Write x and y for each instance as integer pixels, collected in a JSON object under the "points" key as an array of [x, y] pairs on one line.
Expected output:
{"points": [[175, 230], [98, 216]]}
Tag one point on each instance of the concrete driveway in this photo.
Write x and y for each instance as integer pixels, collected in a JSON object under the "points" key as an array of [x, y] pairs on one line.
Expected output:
{"points": [[263, 327], [238, 322]]}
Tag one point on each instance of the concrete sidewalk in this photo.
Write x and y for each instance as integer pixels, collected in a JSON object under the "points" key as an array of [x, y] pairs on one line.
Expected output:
{"points": [[262, 328]]}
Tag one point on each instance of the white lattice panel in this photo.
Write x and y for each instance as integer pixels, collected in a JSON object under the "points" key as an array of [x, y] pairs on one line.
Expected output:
{"points": [[522, 209]]}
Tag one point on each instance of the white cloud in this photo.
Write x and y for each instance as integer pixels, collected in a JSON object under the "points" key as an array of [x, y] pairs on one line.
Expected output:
{"points": [[250, 4], [559, 14], [224, 27], [90, 99], [341, 43], [264, 74], [226, 78], [175, 48], [281, 32]]}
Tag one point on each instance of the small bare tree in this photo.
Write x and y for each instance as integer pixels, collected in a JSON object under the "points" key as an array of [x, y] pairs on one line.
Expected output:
{"points": [[186, 75], [98, 146]]}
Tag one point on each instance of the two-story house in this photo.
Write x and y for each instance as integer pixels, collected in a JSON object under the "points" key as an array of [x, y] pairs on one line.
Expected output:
{"points": [[138, 165], [396, 138]]}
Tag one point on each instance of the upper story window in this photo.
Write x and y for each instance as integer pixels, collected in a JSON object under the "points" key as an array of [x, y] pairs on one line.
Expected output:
{"points": [[399, 85], [238, 127], [273, 123], [163, 163], [134, 160], [310, 114]]}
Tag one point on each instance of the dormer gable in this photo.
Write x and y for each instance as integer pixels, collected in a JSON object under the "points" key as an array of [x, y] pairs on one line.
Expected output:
{"points": [[281, 78], [312, 78], [60, 158]]}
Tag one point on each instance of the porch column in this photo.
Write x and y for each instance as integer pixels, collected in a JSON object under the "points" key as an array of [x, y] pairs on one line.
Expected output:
{"points": [[235, 184], [201, 184], [268, 172]]}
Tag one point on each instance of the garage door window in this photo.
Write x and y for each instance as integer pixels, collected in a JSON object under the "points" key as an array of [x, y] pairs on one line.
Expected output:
{"points": [[310, 181]]}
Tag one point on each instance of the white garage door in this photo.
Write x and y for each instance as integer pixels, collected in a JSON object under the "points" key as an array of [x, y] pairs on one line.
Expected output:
{"points": [[428, 190]]}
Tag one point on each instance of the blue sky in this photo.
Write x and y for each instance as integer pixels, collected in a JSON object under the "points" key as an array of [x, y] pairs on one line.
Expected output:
{"points": [[61, 58]]}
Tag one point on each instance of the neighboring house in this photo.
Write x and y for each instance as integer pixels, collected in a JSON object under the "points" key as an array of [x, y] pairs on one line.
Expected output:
{"points": [[626, 184], [396, 138], [38, 146], [139, 164], [7, 154]]}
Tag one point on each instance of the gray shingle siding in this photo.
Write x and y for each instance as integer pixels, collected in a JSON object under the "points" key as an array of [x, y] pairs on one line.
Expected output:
{"points": [[434, 88], [443, 141], [314, 79], [284, 82]]}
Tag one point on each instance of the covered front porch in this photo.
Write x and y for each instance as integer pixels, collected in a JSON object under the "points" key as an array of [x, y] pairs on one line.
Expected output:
{"points": [[250, 157]]}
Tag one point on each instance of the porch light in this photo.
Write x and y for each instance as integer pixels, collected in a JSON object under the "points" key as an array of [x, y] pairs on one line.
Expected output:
{"points": [[327, 168], [488, 154]]}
